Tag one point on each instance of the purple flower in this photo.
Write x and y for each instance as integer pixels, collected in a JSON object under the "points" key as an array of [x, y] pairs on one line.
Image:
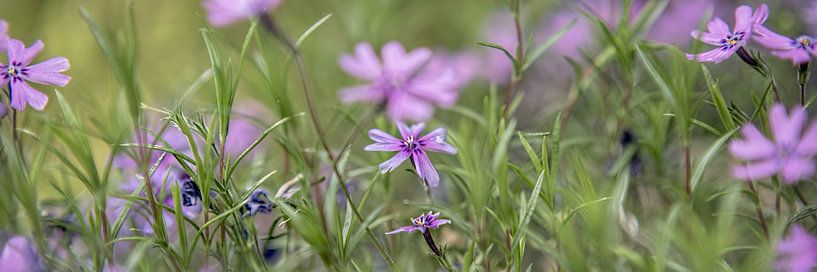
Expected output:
{"points": [[244, 128], [799, 50], [789, 154], [797, 252], [20, 255], [18, 72], [4, 37], [412, 146], [225, 12], [729, 42], [422, 223], [258, 203], [400, 81], [679, 18]]}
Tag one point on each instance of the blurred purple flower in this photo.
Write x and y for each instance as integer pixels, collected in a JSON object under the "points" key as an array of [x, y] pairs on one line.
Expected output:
{"points": [[499, 29], [258, 202], [18, 72], [412, 146], [20, 255], [244, 129], [463, 65], [798, 50], [810, 15], [789, 154], [4, 37], [679, 18], [729, 42], [224, 12], [422, 223], [797, 252], [401, 81]]}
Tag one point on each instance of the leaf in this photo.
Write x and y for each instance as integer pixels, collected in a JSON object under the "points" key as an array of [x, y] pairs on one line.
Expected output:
{"points": [[708, 157], [801, 214], [311, 29], [717, 99]]}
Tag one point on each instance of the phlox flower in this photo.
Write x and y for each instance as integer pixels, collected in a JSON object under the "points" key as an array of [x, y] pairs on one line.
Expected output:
{"points": [[412, 146], [399, 80], [258, 202], [729, 42], [224, 12], [797, 252], [790, 153], [19, 254], [422, 223], [798, 50], [19, 71]]}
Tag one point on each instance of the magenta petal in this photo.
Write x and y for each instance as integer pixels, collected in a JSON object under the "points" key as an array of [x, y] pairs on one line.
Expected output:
{"points": [[707, 37], [403, 229], [437, 222], [28, 54], [754, 147], [365, 93], [808, 145], [796, 56], [786, 129], [394, 162], [755, 171], [797, 169], [743, 19], [770, 39], [715, 55], [48, 72], [718, 27], [760, 15], [383, 147], [435, 141], [397, 61], [404, 106], [363, 64], [425, 169], [382, 137]]}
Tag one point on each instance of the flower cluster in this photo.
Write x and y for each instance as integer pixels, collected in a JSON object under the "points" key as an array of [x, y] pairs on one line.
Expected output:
{"points": [[18, 72]]}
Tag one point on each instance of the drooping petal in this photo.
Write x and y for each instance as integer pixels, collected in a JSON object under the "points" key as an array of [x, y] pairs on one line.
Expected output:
{"points": [[755, 171], [366, 93], [364, 64], [707, 37], [425, 169], [382, 137], [435, 141], [49, 72], [716, 55], [743, 19], [394, 162], [770, 39], [796, 56], [398, 62], [797, 169], [754, 147], [403, 229]]}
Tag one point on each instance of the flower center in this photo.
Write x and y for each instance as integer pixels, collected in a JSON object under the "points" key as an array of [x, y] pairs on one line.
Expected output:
{"points": [[419, 222], [804, 42], [409, 142], [12, 71], [732, 40]]}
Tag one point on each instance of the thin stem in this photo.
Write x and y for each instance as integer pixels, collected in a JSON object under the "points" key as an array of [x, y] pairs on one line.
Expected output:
{"points": [[520, 58], [802, 199], [269, 25], [803, 73], [758, 210], [687, 171]]}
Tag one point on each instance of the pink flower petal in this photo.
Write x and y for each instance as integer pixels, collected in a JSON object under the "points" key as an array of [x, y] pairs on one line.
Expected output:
{"points": [[382, 137], [743, 19], [403, 106], [718, 27], [364, 64], [770, 39], [435, 141], [755, 171], [425, 169], [48, 72], [754, 147], [808, 143], [398, 62], [786, 130], [362, 93], [394, 162], [796, 55], [797, 169], [716, 55], [28, 54], [403, 229], [707, 37]]}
